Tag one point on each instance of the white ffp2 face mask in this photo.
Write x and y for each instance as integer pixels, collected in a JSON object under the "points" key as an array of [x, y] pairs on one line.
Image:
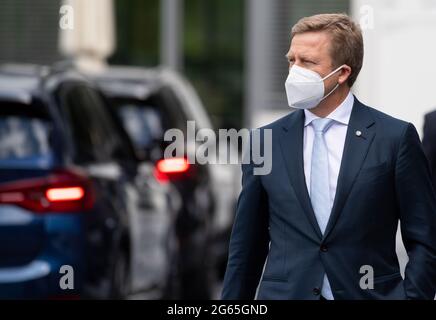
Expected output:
{"points": [[305, 88]]}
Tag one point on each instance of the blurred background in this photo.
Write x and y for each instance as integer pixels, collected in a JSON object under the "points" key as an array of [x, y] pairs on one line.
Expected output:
{"points": [[232, 51], [228, 57]]}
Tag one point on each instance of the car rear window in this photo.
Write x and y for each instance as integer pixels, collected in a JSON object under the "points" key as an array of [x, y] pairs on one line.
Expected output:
{"points": [[24, 136], [143, 123]]}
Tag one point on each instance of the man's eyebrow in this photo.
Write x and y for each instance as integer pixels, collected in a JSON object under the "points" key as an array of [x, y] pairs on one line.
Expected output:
{"points": [[302, 57], [307, 58]]}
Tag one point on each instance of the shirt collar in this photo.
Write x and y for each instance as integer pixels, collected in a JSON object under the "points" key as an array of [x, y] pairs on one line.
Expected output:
{"points": [[341, 114]]}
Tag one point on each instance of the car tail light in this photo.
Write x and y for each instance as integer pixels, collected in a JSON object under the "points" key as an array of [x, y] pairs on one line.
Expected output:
{"points": [[64, 194], [60, 191], [171, 169]]}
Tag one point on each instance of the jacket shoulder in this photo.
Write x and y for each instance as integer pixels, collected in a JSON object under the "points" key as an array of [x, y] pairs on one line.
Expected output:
{"points": [[386, 118], [389, 125], [281, 122]]}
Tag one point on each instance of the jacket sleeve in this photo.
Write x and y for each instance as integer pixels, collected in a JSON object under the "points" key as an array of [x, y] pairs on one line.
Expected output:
{"points": [[417, 204], [249, 242]]}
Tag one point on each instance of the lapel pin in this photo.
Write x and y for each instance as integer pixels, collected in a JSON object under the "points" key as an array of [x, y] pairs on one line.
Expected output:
{"points": [[358, 133]]}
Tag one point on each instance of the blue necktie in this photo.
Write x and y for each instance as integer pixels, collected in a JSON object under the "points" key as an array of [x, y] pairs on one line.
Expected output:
{"points": [[319, 184]]}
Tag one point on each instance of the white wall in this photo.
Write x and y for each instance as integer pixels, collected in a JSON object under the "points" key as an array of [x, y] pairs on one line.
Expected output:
{"points": [[399, 72]]}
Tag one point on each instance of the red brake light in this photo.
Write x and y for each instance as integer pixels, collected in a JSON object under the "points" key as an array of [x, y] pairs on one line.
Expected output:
{"points": [[61, 191], [64, 194], [173, 165], [172, 168]]}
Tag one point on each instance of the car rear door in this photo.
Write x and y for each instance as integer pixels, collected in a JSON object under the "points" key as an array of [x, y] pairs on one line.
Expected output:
{"points": [[94, 148], [151, 215], [26, 154]]}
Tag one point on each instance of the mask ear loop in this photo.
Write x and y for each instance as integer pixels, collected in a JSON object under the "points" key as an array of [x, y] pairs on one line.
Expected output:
{"points": [[333, 72], [331, 91], [337, 85]]}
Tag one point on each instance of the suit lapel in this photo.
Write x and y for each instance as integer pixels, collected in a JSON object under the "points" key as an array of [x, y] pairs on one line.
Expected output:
{"points": [[355, 149], [360, 134], [291, 144]]}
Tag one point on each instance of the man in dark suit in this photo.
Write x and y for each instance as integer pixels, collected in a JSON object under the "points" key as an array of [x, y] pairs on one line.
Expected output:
{"points": [[429, 142], [343, 175]]}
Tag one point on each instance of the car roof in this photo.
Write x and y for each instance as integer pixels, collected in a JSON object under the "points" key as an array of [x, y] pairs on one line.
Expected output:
{"points": [[139, 83], [22, 83], [129, 82]]}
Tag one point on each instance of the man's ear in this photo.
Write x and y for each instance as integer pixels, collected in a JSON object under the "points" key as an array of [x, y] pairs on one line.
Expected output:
{"points": [[344, 74]]}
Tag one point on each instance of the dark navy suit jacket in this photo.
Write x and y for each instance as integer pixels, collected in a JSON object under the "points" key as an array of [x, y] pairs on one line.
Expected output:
{"points": [[429, 142], [384, 178]]}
